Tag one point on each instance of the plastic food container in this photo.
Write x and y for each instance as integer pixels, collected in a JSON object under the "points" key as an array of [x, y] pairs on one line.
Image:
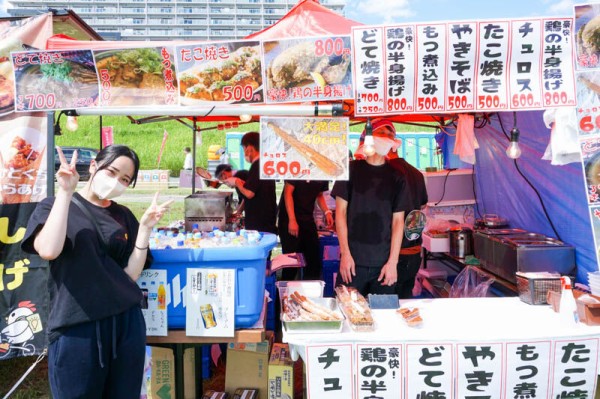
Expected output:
{"points": [[324, 326], [250, 263]]}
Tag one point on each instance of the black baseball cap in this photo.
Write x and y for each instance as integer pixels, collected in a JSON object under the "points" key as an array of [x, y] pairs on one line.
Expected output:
{"points": [[224, 167]]}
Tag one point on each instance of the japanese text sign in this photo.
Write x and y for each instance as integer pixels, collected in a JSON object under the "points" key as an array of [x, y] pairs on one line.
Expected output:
{"points": [[329, 372], [137, 76], [47, 80], [303, 69], [464, 66], [304, 148], [220, 72]]}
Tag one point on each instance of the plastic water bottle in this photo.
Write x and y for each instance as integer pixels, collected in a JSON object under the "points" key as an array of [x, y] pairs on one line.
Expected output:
{"points": [[568, 306]]}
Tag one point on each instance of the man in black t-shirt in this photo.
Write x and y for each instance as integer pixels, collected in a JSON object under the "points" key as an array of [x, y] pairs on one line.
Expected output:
{"points": [[224, 172], [260, 203], [370, 210], [409, 261], [297, 227]]}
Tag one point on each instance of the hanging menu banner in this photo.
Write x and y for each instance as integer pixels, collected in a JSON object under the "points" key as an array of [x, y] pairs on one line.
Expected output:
{"points": [[483, 66], [221, 73], [137, 76], [304, 69]]}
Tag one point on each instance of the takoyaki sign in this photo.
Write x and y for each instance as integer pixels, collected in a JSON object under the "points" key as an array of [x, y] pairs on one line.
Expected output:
{"points": [[225, 73]]}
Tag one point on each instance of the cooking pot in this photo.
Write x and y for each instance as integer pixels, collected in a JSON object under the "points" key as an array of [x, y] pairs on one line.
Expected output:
{"points": [[461, 242]]}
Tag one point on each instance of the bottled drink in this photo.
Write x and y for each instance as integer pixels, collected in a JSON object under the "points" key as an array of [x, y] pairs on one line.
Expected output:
{"points": [[568, 306], [162, 297]]}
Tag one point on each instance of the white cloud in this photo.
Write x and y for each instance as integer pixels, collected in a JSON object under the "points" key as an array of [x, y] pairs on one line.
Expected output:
{"points": [[381, 12]]}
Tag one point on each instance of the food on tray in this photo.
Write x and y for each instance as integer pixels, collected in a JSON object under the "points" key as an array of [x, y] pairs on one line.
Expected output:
{"points": [[207, 81], [355, 307], [21, 164], [321, 161], [412, 316], [297, 307], [300, 64], [7, 90]]}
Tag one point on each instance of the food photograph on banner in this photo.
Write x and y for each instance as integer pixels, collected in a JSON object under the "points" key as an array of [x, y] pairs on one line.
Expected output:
{"points": [[587, 33], [48, 80], [595, 218], [23, 159], [137, 76], [220, 73], [590, 153], [305, 69], [304, 148]]}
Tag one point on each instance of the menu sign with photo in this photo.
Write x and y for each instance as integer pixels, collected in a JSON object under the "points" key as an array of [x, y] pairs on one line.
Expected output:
{"points": [[305, 69], [137, 76], [48, 80], [304, 148], [153, 284], [587, 34], [210, 302], [221, 72]]}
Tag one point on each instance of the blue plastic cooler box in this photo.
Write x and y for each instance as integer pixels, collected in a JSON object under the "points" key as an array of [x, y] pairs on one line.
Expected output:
{"points": [[249, 261]]}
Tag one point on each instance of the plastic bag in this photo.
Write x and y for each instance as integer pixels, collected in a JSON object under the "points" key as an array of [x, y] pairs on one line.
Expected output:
{"points": [[470, 284]]}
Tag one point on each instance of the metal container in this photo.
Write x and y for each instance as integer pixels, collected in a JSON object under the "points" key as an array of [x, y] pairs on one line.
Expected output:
{"points": [[506, 254], [321, 326], [461, 242], [208, 209]]}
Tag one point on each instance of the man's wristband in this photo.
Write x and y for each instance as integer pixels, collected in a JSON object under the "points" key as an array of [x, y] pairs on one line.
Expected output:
{"points": [[328, 211], [142, 248]]}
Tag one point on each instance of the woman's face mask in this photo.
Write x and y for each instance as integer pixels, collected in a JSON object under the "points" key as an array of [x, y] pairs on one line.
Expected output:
{"points": [[105, 186]]}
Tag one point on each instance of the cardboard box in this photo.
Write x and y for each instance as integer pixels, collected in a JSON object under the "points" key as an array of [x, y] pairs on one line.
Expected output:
{"points": [[159, 374], [189, 373], [281, 372], [247, 366]]}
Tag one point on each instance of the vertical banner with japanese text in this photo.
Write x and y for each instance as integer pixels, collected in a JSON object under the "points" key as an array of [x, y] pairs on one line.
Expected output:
{"points": [[460, 89], [330, 371], [431, 67], [400, 58], [587, 86], [379, 370], [304, 148], [369, 71], [23, 287], [429, 370]]}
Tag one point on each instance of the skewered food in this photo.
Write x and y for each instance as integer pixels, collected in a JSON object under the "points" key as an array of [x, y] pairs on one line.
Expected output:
{"points": [[297, 307], [321, 161], [412, 317]]}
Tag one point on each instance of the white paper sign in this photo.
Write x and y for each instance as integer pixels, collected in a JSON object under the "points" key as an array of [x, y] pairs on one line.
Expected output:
{"points": [[575, 368], [329, 371], [525, 362], [379, 371], [431, 64], [429, 370], [524, 85], [460, 86], [479, 370], [210, 310], [492, 68], [153, 283], [369, 70]]}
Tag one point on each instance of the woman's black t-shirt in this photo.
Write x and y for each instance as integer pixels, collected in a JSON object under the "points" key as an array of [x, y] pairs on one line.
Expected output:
{"points": [[86, 283]]}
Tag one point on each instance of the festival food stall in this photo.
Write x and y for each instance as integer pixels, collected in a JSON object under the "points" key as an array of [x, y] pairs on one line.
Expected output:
{"points": [[488, 70]]}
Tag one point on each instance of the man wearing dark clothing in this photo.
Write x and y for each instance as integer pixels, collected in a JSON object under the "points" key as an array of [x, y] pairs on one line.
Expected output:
{"points": [[224, 172], [297, 227], [369, 222], [409, 261], [260, 203]]}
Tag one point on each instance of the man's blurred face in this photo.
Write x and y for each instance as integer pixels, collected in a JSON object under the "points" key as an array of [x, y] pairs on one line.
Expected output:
{"points": [[249, 153], [226, 174]]}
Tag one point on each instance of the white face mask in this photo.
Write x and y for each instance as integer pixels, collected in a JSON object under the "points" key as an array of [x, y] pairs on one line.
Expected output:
{"points": [[106, 187], [382, 145]]}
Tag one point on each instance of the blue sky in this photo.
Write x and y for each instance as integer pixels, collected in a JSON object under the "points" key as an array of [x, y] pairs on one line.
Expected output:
{"points": [[373, 12]]}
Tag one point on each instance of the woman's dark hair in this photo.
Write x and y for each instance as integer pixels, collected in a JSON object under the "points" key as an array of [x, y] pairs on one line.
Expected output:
{"points": [[251, 138], [107, 156]]}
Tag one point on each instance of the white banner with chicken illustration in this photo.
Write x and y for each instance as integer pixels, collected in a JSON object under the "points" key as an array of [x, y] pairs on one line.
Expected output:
{"points": [[304, 69], [304, 148]]}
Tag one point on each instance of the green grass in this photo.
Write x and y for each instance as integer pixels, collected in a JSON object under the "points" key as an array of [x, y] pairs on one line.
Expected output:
{"points": [[146, 139]]}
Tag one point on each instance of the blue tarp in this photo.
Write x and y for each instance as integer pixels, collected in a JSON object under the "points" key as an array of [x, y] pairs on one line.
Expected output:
{"points": [[501, 190]]}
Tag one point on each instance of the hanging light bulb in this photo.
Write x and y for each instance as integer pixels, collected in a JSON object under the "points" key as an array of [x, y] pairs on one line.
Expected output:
{"points": [[72, 124], [514, 151], [369, 144], [245, 118]]}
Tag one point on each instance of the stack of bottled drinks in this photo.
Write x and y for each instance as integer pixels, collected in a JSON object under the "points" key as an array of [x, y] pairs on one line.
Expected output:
{"points": [[179, 238]]}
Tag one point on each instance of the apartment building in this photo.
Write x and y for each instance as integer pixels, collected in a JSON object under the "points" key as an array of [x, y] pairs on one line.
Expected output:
{"points": [[166, 19]]}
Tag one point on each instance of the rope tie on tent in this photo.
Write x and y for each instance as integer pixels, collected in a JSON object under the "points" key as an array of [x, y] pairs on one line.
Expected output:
{"points": [[29, 370]]}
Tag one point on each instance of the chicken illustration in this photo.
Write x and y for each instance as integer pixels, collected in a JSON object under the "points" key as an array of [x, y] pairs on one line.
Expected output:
{"points": [[300, 63], [18, 329]]}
